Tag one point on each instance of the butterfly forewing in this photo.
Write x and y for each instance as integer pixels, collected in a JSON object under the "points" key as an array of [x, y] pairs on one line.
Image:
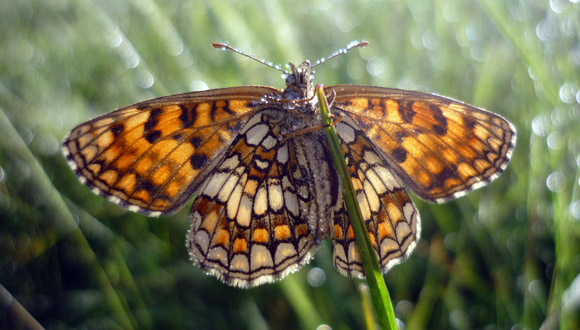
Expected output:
{"points": [[439, 147], [149, 156]]}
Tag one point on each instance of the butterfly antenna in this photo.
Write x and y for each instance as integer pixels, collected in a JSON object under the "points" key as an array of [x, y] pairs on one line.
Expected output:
{"points": [[223, 46], [353, 44]]}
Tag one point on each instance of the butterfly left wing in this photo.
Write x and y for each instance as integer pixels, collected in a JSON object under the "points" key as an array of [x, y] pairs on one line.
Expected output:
{"points": [[150, 157], [439, 147]]}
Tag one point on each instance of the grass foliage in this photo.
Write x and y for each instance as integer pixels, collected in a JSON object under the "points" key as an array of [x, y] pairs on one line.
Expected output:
{"points": [[503, 257]]}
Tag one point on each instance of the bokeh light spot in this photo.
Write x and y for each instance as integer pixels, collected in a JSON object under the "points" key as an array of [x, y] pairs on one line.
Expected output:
{"points": [[316, 277]]}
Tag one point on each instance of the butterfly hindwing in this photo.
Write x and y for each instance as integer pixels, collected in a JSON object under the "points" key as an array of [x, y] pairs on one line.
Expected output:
{"points": [[257, 216], [390, 216]]}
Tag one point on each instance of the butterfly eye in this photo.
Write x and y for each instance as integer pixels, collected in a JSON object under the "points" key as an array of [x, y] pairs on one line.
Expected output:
{"points": [[291, 79]]}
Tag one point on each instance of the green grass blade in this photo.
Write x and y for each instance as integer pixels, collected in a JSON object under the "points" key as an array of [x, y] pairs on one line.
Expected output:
{"points": [[62, 219], [380, 295]]}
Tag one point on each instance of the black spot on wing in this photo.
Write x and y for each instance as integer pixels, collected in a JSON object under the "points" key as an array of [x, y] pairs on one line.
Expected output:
{"points": [[406, 111], [469, 122], [152, 120], [225, 108], [153, 137], [399, 155], [117, 129], [400, 136], [441, 127], [199, 161], [155, 191], [445, 174], [187, 116], [439, 130], [145, 184], [195, 141]]}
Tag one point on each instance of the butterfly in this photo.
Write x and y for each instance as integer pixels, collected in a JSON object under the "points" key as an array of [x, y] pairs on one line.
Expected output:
{"points": [[266, 191]]}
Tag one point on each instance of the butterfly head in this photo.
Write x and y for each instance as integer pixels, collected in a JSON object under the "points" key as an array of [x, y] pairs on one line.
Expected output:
{"points": [[298, 95], [299, 82]]}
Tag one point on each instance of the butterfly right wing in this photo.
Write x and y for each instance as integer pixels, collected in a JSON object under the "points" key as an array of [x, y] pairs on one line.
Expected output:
{"points": [[441, 148], [151, 156]]}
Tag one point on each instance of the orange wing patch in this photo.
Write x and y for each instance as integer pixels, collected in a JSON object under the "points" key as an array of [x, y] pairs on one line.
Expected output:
{"points": [[439, 147], [148, 156]]}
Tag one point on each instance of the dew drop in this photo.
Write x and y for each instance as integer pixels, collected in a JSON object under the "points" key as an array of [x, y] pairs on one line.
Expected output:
{"points": [[575, 210], [175, 46], [555, 182], [473, 31], [546, 30], [555, 141], [145, 79], [375, 66], [404, 308], [559, 6], [571, 296], [114, 38], [574, 55], [568, 92], [540, 126], [316, 277], [536, 288], [429, 40], [450, 241], [198, 85], [130, 58], [532, 74], [459, 319], [450, 12]]}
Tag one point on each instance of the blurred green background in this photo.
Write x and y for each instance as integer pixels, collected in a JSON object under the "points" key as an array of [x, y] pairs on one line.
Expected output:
{"points": [[504, 257]]}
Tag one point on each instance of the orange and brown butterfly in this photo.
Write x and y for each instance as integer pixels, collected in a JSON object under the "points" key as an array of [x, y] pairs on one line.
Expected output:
{"points": [[267, 193]]}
